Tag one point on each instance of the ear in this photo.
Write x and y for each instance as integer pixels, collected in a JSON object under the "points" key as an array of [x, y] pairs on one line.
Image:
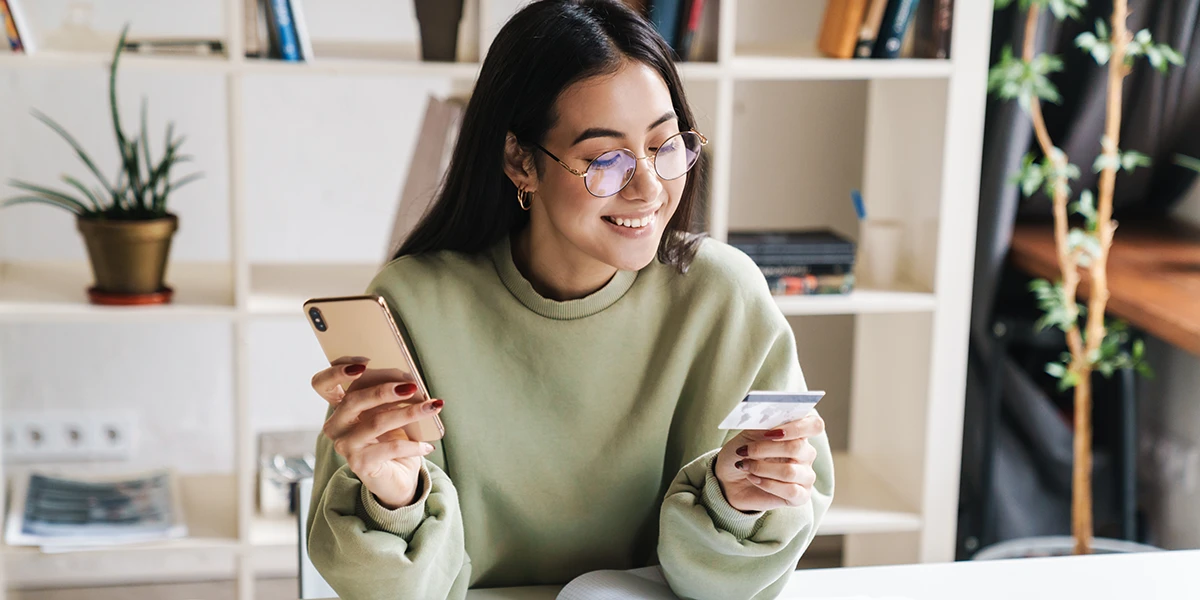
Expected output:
{"points": [[518, 164]]}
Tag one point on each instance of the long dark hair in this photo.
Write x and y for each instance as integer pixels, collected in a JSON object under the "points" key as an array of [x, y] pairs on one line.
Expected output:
{"points": [[541, 51]]}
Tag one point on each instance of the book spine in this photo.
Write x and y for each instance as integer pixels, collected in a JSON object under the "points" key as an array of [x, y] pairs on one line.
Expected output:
{"points": [[10, 28], [286, 32], [943, 22], [839, 27], [664, 14], [932, 29], [896, 20], [688, 27], [869, 31], [24, 33], [303, 42]]}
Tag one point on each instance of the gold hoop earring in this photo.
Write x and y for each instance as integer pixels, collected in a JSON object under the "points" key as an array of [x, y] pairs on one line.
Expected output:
{"points": [[524, 199]]}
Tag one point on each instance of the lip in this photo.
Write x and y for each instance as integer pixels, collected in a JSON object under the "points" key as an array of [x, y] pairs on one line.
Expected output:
{"points": [[635, 215]]}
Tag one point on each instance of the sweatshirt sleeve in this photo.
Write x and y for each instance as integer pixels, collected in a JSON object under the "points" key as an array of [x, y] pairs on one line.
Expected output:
{"points": [[709, 549], [365, 551]]}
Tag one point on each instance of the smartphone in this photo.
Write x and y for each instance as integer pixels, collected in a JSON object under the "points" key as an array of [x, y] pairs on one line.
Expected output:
{"points": [[360, 329]]}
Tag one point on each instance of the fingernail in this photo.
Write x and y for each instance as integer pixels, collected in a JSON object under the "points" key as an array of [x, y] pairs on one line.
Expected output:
{"points": [[426, 448], [754, 479], [355, 369], [774, 434], [406, 389], [432, 406], [740, 465], [743, 451]]}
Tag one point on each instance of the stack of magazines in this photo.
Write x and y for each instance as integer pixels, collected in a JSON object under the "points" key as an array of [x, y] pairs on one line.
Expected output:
{"points": [[816, 261], [60, 513]]}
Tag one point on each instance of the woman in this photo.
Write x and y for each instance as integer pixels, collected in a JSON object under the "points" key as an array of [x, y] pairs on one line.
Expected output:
{"points": [[583, 347]]}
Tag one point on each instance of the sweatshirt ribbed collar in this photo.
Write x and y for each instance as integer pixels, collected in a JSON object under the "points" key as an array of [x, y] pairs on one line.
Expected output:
{"points": [[554, 309]]}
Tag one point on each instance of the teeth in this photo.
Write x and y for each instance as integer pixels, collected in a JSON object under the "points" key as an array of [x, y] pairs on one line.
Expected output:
{"points": [[636, 223]]}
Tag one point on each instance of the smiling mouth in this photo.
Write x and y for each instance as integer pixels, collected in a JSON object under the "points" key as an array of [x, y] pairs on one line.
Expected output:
{"points": [[645, 221]]}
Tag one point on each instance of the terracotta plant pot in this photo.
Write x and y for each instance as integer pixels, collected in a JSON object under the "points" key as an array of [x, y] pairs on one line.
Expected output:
{"points": [[439, 21], [129, 258]]}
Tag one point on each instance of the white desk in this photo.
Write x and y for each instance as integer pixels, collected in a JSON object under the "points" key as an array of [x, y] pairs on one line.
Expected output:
{"points": [[1148, 576]]}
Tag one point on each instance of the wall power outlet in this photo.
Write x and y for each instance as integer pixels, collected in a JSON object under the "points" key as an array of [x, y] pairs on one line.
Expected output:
{"points": [[69, 435]]}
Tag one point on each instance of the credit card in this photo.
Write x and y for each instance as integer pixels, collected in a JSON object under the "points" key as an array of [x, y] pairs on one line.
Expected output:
{"points": [[768, 410]]}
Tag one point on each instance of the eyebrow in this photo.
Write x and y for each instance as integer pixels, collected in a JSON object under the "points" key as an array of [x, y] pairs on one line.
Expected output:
{"points": [[598, 132]]}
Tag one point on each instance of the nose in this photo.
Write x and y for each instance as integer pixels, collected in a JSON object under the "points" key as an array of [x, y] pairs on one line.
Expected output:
{"points": [[645, 185]]}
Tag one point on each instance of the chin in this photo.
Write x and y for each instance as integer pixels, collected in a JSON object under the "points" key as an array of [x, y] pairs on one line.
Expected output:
{"points": [[632, 258]]}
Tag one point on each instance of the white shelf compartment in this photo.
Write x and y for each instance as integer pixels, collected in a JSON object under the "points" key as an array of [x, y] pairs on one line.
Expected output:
{"points": [[799, 63], [210, 551], [858, 302], [57, 291]]}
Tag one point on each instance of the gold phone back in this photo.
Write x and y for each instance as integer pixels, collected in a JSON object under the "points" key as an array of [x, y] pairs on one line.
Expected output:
{"points": [[360, 329]]}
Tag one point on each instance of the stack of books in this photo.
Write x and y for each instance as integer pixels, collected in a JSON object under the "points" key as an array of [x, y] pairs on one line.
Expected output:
{"points": [[677, 21], [886, 28], [816, 261]]}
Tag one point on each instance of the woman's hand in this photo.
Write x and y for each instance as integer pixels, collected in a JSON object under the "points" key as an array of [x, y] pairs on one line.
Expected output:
{"points": [[762, 470], [365, 428]]}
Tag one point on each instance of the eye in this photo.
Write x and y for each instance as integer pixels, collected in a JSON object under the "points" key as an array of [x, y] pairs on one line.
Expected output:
{"points": [[606, 160]]}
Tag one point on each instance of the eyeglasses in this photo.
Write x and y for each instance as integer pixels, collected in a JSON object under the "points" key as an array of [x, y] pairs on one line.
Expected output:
{"points": [[610, 172]]}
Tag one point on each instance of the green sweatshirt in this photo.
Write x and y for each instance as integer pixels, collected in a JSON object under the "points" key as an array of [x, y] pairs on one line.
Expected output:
{"points": [[580, 435]]}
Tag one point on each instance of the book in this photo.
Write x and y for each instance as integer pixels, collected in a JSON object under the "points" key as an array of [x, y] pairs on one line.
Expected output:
{"points": [[175, 46], [840, 26], [258, 39], [303, 40], [24, 32], [10, 28], [869, 31], [283, 33], [689, 23], [68, 512], [664, 15], [896, 21], [430, 160], [932, 29], [810, 285], [806, 242]]}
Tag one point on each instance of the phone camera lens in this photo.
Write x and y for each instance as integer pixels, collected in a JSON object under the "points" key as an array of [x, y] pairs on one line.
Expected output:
{"points": [[317, 319]]}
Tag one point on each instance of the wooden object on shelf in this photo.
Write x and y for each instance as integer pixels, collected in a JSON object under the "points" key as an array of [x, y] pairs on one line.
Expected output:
{"points": [[839, 27], [1153, 275]]}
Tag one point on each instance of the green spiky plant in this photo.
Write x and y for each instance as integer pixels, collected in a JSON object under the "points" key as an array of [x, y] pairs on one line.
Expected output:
{"points": [[142, 186], [1093, 344]]}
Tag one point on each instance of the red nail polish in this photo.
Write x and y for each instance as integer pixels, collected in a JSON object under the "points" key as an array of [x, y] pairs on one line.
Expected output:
{"points": [[774, 434], [355, 369], [739, 465], [406, 389], [743, 451], [436, 404]]}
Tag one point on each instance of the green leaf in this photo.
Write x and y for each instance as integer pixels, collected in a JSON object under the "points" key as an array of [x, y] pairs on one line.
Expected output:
{"points": [[1086, 207], [1188, 162], [1101, 53], [79, 151], [1106, 161], [1143, 37], [1086, 242], [1133, 159], [1067, 9], [1102, 29], [1002, 4], [49, 193], [1069, 380], [1171, 55], [1056, 370], [1139, 349], [41, 200], [1013, 78], [1086, 40], [92, 197]]}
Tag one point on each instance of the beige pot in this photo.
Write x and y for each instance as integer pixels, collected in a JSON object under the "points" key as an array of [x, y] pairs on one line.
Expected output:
{"points": [[128, 257]]}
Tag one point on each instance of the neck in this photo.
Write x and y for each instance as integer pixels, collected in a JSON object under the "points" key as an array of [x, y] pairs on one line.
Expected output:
{"points": [[556, 268]]}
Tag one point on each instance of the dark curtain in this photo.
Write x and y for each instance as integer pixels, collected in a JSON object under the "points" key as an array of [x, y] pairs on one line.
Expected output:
{"points": [[1030, 491]]}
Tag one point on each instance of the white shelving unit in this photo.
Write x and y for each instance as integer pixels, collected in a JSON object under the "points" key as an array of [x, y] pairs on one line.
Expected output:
{"points": [[914, 136]]}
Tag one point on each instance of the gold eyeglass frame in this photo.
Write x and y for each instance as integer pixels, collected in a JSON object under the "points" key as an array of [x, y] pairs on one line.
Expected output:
{"points": [[637, 160]]}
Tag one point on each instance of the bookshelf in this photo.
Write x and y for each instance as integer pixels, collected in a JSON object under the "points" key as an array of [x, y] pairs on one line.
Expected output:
{"points": [[907, 132]]}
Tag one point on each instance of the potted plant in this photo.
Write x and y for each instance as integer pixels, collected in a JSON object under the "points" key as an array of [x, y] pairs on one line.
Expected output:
{"points": [[1093, 344], [125, 224]]}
